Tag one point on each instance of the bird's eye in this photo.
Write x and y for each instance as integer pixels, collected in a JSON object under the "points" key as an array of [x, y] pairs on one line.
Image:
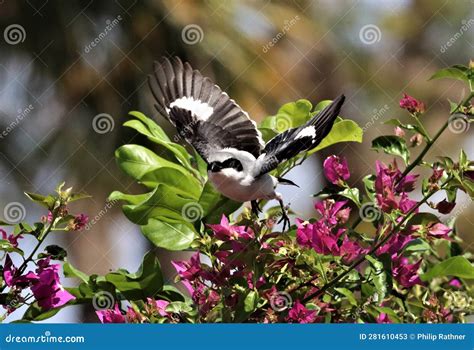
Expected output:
{"points": [[234, 164]]}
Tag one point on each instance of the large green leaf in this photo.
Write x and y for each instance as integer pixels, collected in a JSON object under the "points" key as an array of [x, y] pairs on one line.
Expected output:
{"points": [[155, 133], [187, 186], [289, 115], [162, 201], [168, 233], [136, 161], [146, 282], [393, 145], [342, 131], [36, 313], [457, 266]]}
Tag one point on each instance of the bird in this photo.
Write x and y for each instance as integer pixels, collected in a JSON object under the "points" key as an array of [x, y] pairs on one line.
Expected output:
{"points": [[238, 161]]}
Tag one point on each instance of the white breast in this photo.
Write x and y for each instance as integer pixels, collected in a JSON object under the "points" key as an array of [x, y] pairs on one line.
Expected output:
{"points": [[231, 184]]}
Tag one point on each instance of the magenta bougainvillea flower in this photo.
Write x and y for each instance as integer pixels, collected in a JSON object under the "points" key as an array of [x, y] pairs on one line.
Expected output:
{"points": [[111, 315], [383, 318], [411, 104], [324, 235], [225, 232], [438, 230], [80, 221], [189, 271], [336, 170], [300, 314], [455, 283], [13, 239], [406, 274], [391, 188], [47, 288]]}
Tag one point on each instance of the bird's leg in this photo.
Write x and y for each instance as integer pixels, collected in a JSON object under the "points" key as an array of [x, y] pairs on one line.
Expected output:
{"points": [[255, 208], [284, 215]]}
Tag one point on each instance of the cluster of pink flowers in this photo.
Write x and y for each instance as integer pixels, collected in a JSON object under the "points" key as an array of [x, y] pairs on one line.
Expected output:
{"points": [[328, 235], [153, 309], [411, 104]]}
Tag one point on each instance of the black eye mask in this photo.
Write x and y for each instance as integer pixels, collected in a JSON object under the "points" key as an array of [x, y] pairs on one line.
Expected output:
{"points": [[228, 163]]}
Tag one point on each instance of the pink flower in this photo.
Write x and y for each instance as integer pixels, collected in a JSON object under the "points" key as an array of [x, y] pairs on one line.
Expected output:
{"points": [[383, 318], [224, 231], [406, 274], [416, 140], [350, 250], [455, 283], [47, 288], [111, 315], [336, 170], [411, 104], [395, 245], [159, 305], [79, 222], [13, 239], [188, 270], [300, 314], [399, 131], [438, 230], [332, 211]]}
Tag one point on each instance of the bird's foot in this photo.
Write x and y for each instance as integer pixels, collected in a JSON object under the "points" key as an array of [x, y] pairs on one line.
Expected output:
{"points": [[255, 208], [284, 216]]}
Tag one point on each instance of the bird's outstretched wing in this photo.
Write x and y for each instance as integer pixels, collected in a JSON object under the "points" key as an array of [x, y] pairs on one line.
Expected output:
{"points": [[202, 113], [288, 144]]}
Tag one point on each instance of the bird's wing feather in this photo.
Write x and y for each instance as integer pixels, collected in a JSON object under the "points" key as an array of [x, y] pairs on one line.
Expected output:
{"points": [[293, 141], [202, 113]]}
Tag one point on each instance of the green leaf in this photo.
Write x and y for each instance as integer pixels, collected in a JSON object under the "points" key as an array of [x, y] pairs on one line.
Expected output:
{"points": [[187, 186], [348, 294], [352, 194], [6, 246], [342, 131], [393, 145], [162, 201], [36, 313], [422, 219], [45, 201], [457, 266], [146, 282], [168, 233], [290, 115], [379, 277], [71, 272], [416, 245], [455, 72], [136, 161], [251, 301], [54, 251]]}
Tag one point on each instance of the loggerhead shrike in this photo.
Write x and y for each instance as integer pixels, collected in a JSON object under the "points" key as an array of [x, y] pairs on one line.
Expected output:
{"points": [[238, 161]]}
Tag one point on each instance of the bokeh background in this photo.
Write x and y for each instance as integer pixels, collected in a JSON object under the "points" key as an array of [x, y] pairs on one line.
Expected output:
{"points": [[65, 64]]}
